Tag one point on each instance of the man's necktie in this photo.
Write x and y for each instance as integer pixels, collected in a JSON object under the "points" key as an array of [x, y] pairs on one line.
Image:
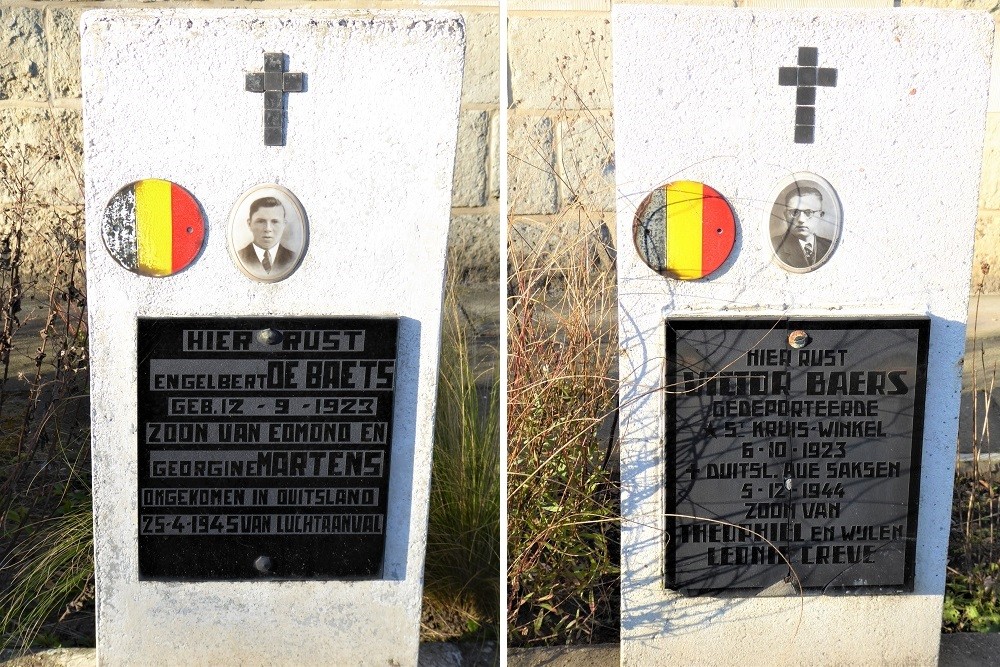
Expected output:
{"points": [[267, 261], [808, 249]]}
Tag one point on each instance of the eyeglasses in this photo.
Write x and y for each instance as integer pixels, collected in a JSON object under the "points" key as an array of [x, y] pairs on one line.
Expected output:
{"points": [[794, 213]]}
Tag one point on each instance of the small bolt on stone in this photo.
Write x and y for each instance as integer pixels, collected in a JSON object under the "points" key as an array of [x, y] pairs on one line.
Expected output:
{"points": [[798, 339], [263, 564], [269, 336]]}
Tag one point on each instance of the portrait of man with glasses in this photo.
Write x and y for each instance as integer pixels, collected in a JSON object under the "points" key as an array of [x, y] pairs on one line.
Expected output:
{"points": [[806, 231]]}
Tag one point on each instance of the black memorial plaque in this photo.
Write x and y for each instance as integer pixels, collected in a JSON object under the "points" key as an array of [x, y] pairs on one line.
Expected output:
{"points": [[796, 438], [264, 446]]}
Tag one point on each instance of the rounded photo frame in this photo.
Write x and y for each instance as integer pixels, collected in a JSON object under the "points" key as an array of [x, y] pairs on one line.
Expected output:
{"points": [[268, 233], [804, 222]]}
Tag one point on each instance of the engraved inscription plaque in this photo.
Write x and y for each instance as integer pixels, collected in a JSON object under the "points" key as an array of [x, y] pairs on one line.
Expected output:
{"points": [[793, 439], [264, 446]]}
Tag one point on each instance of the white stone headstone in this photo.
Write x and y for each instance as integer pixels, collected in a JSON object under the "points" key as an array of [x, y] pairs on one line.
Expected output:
{"points": [[368, 149], [898, 134]]}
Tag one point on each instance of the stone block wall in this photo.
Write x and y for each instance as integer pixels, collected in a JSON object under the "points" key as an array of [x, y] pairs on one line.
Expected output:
{"points": [[561, 141], [40, 106], [40, 127], [561, 132]]}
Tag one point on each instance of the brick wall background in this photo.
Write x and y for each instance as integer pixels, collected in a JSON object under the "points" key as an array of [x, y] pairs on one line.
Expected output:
{"points": [[561, 142], [40, 106]]}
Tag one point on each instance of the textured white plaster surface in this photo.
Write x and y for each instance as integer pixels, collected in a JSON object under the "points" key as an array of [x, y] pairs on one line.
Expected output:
{"points": [[370, 151], [900, 139]]}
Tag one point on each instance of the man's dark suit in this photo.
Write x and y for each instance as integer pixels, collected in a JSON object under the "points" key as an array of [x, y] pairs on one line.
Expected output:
{"points": [[788, 249], [282, 259]]}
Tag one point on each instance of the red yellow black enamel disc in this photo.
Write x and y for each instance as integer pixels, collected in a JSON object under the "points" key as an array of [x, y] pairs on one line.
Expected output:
{"points": [[153, 227], [684, 230]]}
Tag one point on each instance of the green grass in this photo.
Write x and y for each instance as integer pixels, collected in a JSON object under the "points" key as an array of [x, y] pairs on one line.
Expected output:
{"points": [[972, 593], [462, 571], [51, 576]]}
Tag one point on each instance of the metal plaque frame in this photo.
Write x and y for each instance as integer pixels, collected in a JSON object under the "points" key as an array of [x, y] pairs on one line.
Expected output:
{"points": [[794, 437], [264, 446]]}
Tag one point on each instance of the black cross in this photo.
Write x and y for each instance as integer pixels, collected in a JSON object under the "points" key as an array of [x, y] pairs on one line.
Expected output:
{"points": [[693, 470], [805, 78], [274, 82]]}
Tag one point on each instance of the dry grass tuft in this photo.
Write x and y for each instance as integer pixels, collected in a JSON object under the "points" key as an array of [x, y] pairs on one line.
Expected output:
{"points": [[562, 498]]}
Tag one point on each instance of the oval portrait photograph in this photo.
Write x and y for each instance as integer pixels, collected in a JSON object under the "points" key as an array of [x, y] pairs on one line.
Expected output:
{"points": [[267, 233], [804, 222]]}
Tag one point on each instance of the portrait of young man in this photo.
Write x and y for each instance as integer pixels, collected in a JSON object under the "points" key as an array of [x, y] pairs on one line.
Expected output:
{"points": [[267, 237]]}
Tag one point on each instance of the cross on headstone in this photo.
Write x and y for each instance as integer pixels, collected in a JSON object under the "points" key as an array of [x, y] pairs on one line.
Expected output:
{"points": [[274, 82], [805, 77]]}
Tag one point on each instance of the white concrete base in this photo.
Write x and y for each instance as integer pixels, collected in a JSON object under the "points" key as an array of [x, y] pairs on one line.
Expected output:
{"points": [[900, 139], [369, 153]]}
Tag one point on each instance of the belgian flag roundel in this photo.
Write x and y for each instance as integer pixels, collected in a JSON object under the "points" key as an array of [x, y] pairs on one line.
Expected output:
{"points": [[684, 230], [153, 227]]}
